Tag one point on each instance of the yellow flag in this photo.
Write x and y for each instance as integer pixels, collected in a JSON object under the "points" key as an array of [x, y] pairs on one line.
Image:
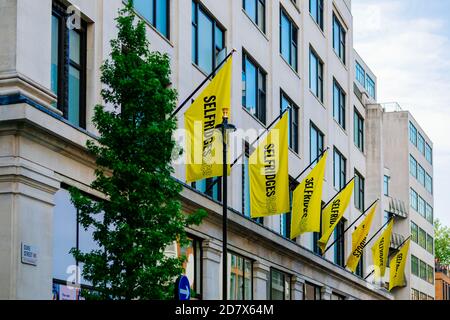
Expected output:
{"points": [[307, 201], [333, 213], [269, 175], [203, 141], [359, 238], [380, 251], [397, 266]]}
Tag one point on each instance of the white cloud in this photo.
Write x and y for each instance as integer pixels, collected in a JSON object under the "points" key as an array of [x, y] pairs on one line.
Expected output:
{"points": [[411, 58]]}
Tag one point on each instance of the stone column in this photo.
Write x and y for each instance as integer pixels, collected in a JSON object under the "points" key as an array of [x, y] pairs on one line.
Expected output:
{"points": [[261, 278], [298, 288], [325, 293], [211, 278]]}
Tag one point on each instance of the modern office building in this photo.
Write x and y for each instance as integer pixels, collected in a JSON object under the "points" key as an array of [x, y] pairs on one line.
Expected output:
{"points": [[407, 190], [296, 54]]}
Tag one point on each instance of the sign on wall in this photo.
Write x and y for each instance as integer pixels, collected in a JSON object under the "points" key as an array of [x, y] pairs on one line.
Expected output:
{"points": [[29, 254]]}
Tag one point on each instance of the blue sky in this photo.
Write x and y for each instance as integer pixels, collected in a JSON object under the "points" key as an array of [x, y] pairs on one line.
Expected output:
{"points": [[406, 43]]}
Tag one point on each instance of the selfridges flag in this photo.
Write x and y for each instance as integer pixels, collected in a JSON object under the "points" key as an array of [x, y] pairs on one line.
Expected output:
{"points": [[333, 212], [380, 251], [203, 141], [359, 238], [307, 201], [397, 267], [269, 175]]}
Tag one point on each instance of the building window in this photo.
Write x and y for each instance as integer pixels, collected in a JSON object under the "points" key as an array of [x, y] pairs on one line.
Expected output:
{"points": [[414, 265], [68, 67], [414, 232], [192, 264], [280, 285], [422, 238], [429, 153], [430, 274], [421, 206], [311, 292], [293, 120], [360, 267], [254, 88], [285, 225], [412, 134], [422, 270], [316, 11], [315, 247], [387, 216], [429, 183], [429, 213], [339, 246], [256, 10], [423, 296], [315, 74], [421, 143], [359, 191], [339, 38], [240, 277], [358, 131], [386, 180], [288, 40], [316, 143], [360, 74], [430, 245], [412, 166], [338, 104], [69, 233], [421, 174], [413, 199], [205, 187], [415, 294], [370, 87], [156, 12], [339, 177], [208, 39]]}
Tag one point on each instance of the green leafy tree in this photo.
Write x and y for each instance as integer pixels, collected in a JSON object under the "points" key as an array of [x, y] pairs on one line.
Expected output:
{"points": [[141, 214], [442, 242]]}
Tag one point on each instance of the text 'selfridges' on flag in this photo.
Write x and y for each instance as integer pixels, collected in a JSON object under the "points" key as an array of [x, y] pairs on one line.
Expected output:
{"points": [[397, 267], [307, 201], [269, 175], [380, 251], [333, 212], [359, 238], [203, 141]]}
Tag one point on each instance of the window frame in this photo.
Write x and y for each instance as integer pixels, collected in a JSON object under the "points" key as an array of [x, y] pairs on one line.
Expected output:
{"points": [[261, 89], [320, 12], [292, 60], [340, 108], [257, 16], [154, 18], [64, 63], [286, 278], [342, 169], [294, 122], [199, 7], [318, 74], [341, 51], [358, 130], [245, 259]]}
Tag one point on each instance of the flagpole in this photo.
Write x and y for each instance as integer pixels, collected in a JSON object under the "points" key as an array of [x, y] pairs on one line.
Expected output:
{"points": [[376, 233], [310, 165], [225, 126], [201, 84], [240, 156], [401, 245]]}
